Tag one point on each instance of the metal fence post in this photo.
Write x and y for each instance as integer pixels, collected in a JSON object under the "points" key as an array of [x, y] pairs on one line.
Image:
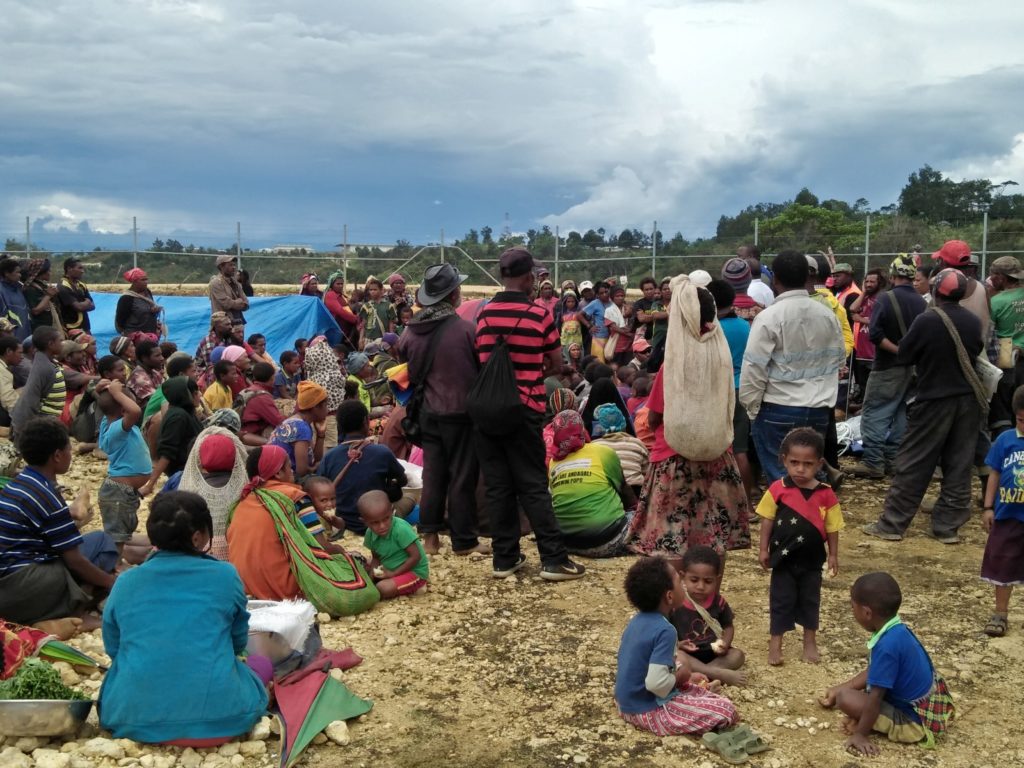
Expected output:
{"points": [[238, 244], [557, 238], [28, 238], [984, 243], [867, 244], [654, 249], [135, 243]]}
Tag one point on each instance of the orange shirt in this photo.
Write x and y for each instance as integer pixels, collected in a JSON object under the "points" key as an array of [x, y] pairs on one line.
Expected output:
{"points": [[256, 551]]}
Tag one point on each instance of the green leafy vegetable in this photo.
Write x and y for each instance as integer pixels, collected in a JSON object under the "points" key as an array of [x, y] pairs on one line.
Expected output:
{"points": [[35, 679]]}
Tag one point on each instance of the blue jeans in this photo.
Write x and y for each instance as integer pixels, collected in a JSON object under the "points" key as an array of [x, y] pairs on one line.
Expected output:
{"points": [[883, 421], [773, 423]]}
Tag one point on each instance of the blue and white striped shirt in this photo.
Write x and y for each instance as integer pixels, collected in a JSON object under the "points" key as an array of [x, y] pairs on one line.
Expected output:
{"points": [[35, 523]]}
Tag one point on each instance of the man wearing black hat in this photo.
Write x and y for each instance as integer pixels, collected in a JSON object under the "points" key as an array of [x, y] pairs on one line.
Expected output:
{"points": [[450, 468], [513, 463]]}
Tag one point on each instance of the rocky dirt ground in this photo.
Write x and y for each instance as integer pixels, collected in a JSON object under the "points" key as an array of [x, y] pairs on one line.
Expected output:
{"points": [[479, 672]]}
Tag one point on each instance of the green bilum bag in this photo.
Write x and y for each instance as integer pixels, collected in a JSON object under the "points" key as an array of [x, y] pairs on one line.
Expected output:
{"points": [[334, 584]]}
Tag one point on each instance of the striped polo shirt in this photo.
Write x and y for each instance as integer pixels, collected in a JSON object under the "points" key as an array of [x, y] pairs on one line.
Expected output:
{"points": [[52, 403], [530, 333], [35, 524]]}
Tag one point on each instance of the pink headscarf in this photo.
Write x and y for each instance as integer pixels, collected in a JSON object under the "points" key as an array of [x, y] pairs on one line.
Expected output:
{"points": [[568, 433], [272, 460], [136, 336], [392, 278], [132, 275], [233, 353]]}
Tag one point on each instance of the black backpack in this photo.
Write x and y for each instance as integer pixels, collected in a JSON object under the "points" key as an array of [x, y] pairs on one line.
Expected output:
{"points": [[493, 401]]}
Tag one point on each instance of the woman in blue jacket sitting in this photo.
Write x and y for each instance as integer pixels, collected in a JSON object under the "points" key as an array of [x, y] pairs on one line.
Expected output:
{"points": [[174, 628]]}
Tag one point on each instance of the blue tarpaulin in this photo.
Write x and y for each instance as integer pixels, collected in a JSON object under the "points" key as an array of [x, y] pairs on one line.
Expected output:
{"points": [[282, 319]]}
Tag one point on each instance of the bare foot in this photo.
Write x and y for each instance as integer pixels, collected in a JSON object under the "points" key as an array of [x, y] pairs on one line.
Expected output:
{"points": [[733, 676], [848, 725], [483, 548], [811, 655], [775, 651], [715, 686], [90, 621], [62, 629], [431, 543]]}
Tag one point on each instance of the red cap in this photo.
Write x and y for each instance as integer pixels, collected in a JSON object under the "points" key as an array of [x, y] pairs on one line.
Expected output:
{"points": [[954, 253]]}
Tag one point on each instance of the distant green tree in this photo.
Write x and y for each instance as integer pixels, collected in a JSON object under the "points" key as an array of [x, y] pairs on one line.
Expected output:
{"points": [[806, 197]]}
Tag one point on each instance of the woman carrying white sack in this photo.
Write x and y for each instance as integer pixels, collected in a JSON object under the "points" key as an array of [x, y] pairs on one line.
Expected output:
{"points": [[692, 492]]}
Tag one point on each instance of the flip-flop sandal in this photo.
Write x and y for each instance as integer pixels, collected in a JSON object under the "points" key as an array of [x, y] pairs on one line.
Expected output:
{"points": [[755, 744], [724, 746], [997, 625]]}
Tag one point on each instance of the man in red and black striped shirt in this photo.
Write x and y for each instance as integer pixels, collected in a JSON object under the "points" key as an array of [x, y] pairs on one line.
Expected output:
{"points": [[513, 464]]}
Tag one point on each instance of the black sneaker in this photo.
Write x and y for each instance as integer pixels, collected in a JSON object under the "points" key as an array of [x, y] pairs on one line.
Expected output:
{"points": [[564, 571], [504, 573]]}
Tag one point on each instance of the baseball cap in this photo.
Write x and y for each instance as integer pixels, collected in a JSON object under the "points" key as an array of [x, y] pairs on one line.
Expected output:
{"points": [[224, 259], [1008, 266], [812, 263], [954, 253], [586, 284], [515, 262], [641, 345], [903, 266], [844, 267], [951, 284]]}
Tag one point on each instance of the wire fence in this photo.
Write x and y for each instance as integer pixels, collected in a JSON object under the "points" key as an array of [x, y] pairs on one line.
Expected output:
{"points": [[286, 265]]}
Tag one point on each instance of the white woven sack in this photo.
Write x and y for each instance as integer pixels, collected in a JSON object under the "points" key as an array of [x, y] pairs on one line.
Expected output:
{"points": [[698, 380]]}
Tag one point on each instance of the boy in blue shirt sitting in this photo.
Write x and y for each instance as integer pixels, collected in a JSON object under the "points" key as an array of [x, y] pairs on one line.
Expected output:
{"points": [[900, 694]]}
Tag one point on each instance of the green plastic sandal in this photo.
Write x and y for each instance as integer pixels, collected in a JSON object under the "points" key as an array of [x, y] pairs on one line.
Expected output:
{"points": [[725, 746]]}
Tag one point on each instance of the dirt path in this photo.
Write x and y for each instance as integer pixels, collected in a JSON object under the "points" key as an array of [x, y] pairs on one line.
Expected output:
{"points": [[479, 672]]}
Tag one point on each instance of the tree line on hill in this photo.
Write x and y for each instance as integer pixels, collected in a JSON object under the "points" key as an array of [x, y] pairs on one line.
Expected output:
{"points": [[931, 208]]}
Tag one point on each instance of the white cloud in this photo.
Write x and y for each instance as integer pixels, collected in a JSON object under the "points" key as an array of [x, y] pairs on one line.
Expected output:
{"points": [[66, 211], [1000, 168]]}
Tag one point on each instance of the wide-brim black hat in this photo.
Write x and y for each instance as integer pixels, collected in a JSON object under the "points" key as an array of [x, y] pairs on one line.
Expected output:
{"points": [[439, 281]]}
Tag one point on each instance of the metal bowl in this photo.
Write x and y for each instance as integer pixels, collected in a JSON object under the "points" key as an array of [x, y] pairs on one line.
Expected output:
{"points": [[43, 717]]}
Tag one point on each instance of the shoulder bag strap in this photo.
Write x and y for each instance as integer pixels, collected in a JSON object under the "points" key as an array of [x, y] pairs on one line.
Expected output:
{"points": [[965, 362], [895, 304]]}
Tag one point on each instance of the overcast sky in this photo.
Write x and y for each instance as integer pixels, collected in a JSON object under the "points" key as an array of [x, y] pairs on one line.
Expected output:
{"points": [[400, 118]]}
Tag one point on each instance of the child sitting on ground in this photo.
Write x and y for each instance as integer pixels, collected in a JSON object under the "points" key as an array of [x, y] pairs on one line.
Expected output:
{"points": [[399, 564], [128, 468], [900, 694], [1003, 563], [704, 620], [316, 510], [45, 391], [286, 380], [799, 515], [220, 393], [653, 689]]}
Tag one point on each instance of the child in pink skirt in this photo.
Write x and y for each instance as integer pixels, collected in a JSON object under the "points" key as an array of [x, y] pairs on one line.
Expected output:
{"points": [[653, 687]]}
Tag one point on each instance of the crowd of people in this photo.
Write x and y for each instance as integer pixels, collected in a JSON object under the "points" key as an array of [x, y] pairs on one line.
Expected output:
{"points": [[663, 427]]}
